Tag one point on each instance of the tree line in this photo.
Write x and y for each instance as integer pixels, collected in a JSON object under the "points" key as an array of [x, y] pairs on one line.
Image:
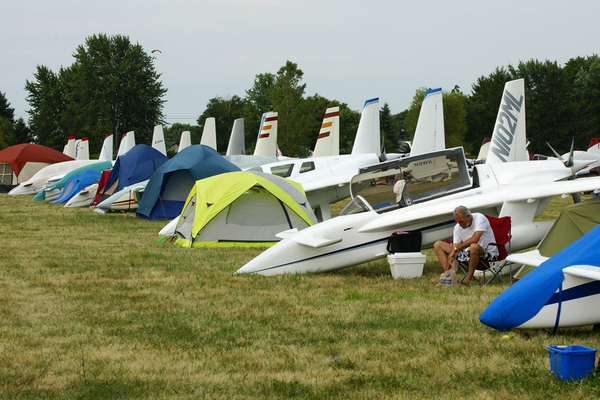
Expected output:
{"points": [[113, 87]]}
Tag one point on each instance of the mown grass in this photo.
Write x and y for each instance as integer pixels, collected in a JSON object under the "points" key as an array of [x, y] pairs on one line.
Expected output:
{"points": [[93, 306]]}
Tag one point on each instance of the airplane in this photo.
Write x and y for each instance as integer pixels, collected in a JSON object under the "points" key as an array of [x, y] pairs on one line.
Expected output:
{"points": [[395, 200], [53, 173]]}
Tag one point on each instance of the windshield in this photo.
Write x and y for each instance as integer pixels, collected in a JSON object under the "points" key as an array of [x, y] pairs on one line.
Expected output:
{"points": [[357, 205], [400, 183]]}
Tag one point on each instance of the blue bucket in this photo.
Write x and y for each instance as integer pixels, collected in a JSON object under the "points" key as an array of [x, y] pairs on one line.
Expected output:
{"points": [[570, 363]]}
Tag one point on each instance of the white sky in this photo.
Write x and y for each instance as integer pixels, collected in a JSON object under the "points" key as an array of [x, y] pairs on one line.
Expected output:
{"points": [[349, 50]]}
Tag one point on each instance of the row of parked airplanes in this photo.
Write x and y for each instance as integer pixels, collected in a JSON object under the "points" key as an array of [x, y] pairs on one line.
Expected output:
{"points": [[389, 192]]}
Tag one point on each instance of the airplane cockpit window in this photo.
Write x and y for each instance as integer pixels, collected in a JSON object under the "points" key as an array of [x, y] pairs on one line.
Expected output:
{"points": [[283, 171], [406, 181], [307, 166], [357, 205]]}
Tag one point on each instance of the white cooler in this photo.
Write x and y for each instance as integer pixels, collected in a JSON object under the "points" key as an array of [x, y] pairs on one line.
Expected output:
{"points": [[406, 265]]}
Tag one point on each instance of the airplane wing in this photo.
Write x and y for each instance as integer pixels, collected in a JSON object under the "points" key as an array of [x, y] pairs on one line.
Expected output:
{"points": [[583, 271]]}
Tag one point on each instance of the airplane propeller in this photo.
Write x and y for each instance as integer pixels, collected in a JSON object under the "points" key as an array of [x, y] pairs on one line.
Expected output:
{"points": [[569, 162]]}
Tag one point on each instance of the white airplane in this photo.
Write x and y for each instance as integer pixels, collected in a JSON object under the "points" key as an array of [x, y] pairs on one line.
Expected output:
{"points": [[326, 179], [84, 198], [395, 200], [53, 173]]}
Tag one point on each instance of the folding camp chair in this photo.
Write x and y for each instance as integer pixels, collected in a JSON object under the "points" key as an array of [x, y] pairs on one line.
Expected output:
{"points": [[502, 235]]}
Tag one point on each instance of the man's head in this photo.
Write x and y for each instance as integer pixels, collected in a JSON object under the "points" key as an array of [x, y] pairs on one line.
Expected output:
{"points": [[463, 216]]}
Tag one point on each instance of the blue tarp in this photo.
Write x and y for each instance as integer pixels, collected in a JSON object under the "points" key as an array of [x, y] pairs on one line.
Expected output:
{"points": [[170, 185], [95, 166], [135, 166], [523, 300], [77, 183]]}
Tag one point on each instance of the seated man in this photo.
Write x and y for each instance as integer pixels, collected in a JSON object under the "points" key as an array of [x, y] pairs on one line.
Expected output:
{"points": [[472, 235]]}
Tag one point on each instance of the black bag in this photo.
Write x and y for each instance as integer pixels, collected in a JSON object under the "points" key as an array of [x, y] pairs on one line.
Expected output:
{"points": [[404, 242]]}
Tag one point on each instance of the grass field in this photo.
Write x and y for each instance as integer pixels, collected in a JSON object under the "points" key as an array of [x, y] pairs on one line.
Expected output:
{"points": [[93, 306]]}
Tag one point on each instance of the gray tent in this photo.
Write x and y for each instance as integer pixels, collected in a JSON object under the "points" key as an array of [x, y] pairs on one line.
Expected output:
{"points": [[573, 222]]}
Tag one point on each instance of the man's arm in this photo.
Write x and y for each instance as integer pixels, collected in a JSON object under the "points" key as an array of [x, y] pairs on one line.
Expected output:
{"points": [[473, 239]]}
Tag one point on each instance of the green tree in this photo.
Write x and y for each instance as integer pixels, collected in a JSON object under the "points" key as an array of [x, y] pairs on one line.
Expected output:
{"points": [[6, 131], [21, 132], [114, 87], [386, 126], [256, 102], [46, 97], [482, 108], [548, 113], [287, 99], [585, 99], [5, 110], [455, 117], [349, 121], [224, 111], [173, 133]]}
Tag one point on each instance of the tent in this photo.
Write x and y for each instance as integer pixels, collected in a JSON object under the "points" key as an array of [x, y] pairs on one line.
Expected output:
{"points": [[135, 166], [572, 223], [20, 162], [242, 209], [169, 186], [77, 183]]}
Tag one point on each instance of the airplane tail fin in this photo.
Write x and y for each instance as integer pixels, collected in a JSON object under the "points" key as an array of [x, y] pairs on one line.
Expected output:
{"points": [[237, 144], [328, 142], [122, 145], [185, 140], [106, 154], [509, 139], [70, 149], [83, 149], [430, 134], [266, 144], [367, 134], [209, 133], [129, 141], [158, 139]]}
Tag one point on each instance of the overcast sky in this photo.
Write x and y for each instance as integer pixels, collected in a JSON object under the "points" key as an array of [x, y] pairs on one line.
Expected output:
{"points": [[349, 50]]}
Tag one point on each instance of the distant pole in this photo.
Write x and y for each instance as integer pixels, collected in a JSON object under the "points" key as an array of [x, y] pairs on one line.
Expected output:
{"points": [[116, 147]]}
